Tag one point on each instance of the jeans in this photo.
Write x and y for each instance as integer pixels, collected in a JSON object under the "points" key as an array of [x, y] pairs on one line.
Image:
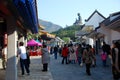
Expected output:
{"points": [[55, 55], [64, 58], [45, 67], [104, 63], [24, 64], [79, 60], [88, 68]]}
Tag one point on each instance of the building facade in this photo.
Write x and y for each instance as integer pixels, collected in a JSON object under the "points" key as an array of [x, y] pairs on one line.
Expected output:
{"points": [[90, 24], [16, 19]]}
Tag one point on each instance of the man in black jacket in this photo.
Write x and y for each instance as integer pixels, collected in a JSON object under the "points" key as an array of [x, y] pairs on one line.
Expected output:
{"points": [[106, 48]]}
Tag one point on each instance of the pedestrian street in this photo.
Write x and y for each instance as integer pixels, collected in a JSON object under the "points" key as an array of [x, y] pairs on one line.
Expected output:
{"points": [[35, 71], [75, 72]]}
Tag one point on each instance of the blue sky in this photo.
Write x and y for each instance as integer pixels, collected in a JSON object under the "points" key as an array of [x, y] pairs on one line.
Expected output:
{"points": [[64, 12]]}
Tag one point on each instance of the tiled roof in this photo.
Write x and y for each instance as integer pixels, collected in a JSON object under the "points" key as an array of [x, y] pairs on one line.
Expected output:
{"points": [[112, 18], [93, 14]]}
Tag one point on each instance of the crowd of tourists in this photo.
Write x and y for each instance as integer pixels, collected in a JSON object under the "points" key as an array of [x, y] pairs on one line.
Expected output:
{"points": [[86, 54], [72, 54]]}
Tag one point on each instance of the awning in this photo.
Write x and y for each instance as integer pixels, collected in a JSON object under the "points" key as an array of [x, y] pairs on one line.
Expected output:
{"points": [[45, 35], [28, 11]]}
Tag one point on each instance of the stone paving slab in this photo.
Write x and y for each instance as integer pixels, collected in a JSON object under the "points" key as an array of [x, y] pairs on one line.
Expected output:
{"points": [[75, 72], [35, 71]]}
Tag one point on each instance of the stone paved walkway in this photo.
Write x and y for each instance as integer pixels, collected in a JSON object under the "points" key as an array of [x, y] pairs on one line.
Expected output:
{"points": [[75, 72], [35, 71], [58, 71]]}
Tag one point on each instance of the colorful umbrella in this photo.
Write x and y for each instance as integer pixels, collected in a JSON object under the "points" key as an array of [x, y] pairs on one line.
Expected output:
{"points": [[33, 43], [40, 44]]}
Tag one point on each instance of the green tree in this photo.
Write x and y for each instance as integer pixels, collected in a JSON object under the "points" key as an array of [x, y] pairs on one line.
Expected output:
{"points": [[32, 36], [69, 31], [66, 39]]}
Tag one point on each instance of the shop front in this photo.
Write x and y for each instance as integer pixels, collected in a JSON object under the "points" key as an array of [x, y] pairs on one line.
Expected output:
{"points": [[13, 29]]}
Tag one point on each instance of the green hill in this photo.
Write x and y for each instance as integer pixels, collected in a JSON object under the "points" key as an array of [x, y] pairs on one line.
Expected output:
{"points": [[69, 31]]}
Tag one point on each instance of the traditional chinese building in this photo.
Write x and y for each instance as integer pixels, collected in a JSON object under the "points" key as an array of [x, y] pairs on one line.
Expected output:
{"points": [[17, 17]]}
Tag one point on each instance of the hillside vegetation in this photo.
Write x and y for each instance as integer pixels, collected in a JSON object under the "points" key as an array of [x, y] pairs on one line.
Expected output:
{"points": [[69, 31]]}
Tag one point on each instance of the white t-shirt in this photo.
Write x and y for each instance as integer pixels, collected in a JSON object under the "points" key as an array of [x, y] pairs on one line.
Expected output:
{"points": [[5, 50], [22, 52]]}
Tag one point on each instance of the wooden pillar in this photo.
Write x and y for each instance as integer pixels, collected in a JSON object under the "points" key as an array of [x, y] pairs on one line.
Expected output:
{"points": [[11, 70]]}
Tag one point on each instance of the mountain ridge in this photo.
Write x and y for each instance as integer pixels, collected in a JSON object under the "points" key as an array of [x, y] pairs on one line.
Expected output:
{"points": [[49, 26]]}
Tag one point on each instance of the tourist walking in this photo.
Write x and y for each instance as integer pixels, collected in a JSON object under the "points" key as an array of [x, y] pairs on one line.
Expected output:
{"points": [[55, 51], [116, 61], [23, 58], [79, 54], [60, 50], [45, 57], [104, 58], [65, 54], [28, 55], [94, 54], [106, 48], [51, 50], [72, 54], [88, 57]]}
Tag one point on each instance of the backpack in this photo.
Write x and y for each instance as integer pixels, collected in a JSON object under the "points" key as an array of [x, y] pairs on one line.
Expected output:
{"points": [[103, 56]]}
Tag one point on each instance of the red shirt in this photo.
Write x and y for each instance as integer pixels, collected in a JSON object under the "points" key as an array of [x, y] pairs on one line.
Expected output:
{"points": [[65, 52]]}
